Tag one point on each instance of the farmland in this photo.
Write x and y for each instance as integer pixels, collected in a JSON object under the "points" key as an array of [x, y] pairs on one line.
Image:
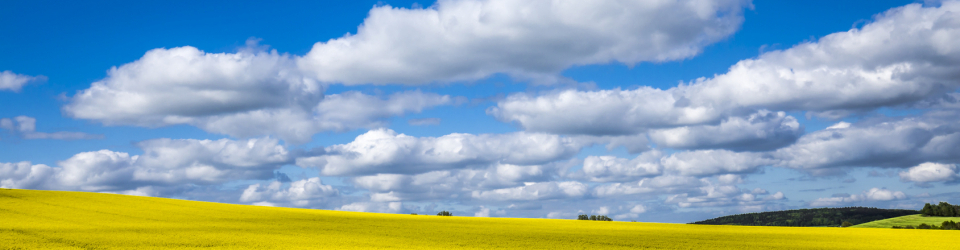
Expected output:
{"points": [[909, 220], [77, 220]]}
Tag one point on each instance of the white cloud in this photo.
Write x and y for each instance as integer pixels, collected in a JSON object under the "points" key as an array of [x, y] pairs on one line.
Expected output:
{"points": [[930, 172], [903, 142], [604, 112], [165, 163], [337, 112], [436, 185], [15, 82], [26, 127], [23, 175], [535, 191], [243, 94], [634, 144], [876, 194], [638, 209], [168, 86], [473, 39], [662, 184], [264, 204], [102, 170], [611, 168], [725, 195], [356, 110], [376, 207], [840, 125], [299, 193], [713, 162], [775, 196], [385, 151], [906, 55], [760, 131], [735, 179], [484, 212], [210, 161], [872, 195], [453, 184], [883, 142]]}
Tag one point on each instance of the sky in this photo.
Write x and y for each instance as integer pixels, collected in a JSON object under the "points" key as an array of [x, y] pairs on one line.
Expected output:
{"points": [[659, 111]]}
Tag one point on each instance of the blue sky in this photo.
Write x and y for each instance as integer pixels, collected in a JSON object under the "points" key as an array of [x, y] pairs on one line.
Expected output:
{"points": [[673, 111]]}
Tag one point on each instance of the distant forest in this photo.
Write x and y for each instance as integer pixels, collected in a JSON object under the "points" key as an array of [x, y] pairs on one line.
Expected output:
{"points": [[943, 209], [818, 217]]}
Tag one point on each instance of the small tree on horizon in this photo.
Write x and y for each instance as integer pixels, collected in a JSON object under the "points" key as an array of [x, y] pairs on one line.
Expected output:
{"points": [[444, 213], [927, 210]]}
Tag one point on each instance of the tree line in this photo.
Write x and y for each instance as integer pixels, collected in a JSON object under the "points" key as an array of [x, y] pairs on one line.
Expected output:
{"points": [[946, 225], [943, 210], [594, 217], [817, 217]]}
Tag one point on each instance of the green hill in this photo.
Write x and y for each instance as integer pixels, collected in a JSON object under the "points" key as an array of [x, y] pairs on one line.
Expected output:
{"points": [[908, 220], [817, 217]]}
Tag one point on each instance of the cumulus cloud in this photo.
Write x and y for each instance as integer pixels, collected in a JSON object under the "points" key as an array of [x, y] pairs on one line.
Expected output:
{"points": [[470, 40], [687, 175], [244, 94], [905, 55], [395, 187], [484, 212], [713, 162], [210, 161], [930, 172], [901, 143], [376, 207], [884, 142], [167, 86], [356, 110], [298, 193], [603, 112], [760, 131], [611, 168], [710, 196], [535, 191], [454, 184], [165, 163], [26, 127], [634, 144], [386, 151], [24, 175], [662, 184], [714, 195], [15, 82], [874, 194]]}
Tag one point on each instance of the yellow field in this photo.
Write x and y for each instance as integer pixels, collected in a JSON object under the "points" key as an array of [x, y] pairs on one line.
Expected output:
{"points": [[76, 220]]}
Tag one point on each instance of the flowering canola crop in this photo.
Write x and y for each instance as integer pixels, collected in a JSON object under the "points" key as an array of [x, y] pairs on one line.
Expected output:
{"points": [[32, 219]]}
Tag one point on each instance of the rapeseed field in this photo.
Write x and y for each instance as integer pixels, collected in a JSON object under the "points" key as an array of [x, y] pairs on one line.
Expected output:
{"points": [[76, 220]]}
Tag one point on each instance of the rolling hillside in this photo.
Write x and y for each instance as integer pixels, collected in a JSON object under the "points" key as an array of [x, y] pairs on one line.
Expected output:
{"points": [[816, 217], [77, 220], [909, 220]]}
